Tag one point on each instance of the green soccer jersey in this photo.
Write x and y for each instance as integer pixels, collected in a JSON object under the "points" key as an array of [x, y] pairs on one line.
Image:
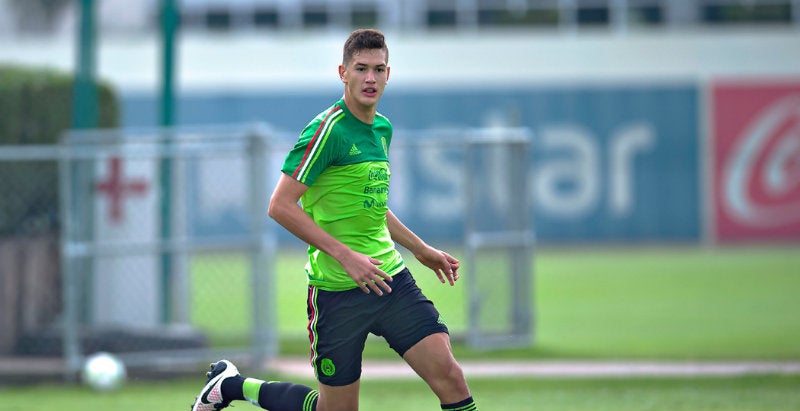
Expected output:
{"points": [[344, 162]]}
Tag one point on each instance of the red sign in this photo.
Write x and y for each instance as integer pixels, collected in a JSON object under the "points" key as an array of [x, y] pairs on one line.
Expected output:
{"points": [[756, 148], [116, 188]]}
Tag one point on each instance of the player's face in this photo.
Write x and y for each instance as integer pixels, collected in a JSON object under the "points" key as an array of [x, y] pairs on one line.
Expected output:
{"points": [[365, 77]]}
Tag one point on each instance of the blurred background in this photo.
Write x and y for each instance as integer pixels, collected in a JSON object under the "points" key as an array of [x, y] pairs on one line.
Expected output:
{"points": [[140, 141]]}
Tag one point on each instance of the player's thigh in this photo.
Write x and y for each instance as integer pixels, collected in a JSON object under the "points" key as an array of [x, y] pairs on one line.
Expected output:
{"points": [[431, 357], [338, 398], [409, 318], [338, 328]]}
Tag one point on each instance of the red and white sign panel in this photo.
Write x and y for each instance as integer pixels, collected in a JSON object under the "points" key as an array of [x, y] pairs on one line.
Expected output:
{"points": [[756, 147]]}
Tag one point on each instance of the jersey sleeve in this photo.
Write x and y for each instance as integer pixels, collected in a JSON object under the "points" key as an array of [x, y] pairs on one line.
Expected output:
{"points": [[315, 148]]}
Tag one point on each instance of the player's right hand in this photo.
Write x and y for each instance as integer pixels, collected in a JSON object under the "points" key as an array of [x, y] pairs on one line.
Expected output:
{"points": [[365, 271]]}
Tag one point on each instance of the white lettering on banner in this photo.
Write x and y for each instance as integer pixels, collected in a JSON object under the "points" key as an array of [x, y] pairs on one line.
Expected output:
{"points": [[625, 144], [582, 170], [567, 184], [779, 122]]}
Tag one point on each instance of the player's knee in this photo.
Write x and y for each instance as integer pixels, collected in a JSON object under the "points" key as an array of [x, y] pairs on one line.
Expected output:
{"points": [[449, 384], [456, 374], [451, 374]]}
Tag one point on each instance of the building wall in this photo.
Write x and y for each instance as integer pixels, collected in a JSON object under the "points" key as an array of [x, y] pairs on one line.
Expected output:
{"points": [[293, 61]]}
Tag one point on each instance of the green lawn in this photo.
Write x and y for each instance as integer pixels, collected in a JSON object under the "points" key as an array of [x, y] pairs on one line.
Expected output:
{"points": [[679, 303], [673, 303], [768, 393]]}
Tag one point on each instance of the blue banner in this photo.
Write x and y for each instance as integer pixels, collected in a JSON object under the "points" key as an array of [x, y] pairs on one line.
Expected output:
{"points": [[607, 163]]}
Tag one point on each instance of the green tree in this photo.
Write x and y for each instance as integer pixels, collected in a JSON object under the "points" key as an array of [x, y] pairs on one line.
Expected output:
{"points": [[36, 108]]}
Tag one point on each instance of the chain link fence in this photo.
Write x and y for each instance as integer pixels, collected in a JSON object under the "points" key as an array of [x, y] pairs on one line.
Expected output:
{"points": [[138, 259], [155, 244], [30, 283]]}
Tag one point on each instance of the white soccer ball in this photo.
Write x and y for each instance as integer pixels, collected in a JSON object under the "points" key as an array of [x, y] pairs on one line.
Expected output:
{"points": [[103, 372]]}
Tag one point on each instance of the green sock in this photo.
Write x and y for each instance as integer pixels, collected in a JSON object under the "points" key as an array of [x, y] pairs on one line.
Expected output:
{"points": [[466, 405], [250, 389], [279, 396]]}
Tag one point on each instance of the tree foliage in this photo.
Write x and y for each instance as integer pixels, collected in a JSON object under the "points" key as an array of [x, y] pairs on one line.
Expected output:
{"points": [[35, 109]]}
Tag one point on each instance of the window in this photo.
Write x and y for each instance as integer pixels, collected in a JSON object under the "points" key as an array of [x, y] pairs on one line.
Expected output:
{"points": [[519, 18], [315, 16], [364, 16], [647, 15], [265, 18], [218, 19], [744, 13], [593, 15], [441, 18]]}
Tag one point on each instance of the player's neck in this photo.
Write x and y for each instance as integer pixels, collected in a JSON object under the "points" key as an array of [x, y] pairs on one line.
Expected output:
{"points": [[364, 113]]}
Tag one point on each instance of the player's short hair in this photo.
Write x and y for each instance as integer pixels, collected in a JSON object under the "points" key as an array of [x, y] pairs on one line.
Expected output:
{"points": [[363, 39]]}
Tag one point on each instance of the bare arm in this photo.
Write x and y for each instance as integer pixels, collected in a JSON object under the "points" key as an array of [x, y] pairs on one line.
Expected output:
{"points": [[283, 208], [444, 265]]}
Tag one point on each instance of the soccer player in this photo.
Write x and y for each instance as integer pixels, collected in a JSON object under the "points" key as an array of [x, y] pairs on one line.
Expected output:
{"points": [[357, 280]]}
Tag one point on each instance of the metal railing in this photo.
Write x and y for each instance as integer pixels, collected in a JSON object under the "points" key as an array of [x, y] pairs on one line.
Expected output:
{"points": [[109, 287]]}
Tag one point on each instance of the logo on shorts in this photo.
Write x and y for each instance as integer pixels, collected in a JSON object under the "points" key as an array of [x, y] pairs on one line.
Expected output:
{"points": [[327, 367]]}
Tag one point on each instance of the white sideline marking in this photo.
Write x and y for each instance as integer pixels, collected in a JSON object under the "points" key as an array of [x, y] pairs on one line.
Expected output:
{"points": [[398, 369]]}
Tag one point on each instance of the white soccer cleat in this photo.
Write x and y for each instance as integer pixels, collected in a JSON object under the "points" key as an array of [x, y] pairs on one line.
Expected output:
{"points": [[210, 398]]}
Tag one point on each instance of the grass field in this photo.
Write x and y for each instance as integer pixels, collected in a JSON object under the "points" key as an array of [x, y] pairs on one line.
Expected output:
{"points": [[737, 303], [652, 394], [673, 303]]}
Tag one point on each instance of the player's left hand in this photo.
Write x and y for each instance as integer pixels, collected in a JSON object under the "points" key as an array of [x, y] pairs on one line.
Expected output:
{"points": [[444, 265]]}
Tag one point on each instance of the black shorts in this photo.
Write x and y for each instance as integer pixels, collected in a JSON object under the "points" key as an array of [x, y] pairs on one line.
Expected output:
{"points": [[339, 322]]}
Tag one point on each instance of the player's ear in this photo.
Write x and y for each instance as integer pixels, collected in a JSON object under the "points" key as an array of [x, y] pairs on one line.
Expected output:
{"points": [[341, 73], [388, 71]]}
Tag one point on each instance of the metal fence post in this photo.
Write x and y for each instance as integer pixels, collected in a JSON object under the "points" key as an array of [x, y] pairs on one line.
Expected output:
{"points": [[511, 241], [263, 254], [70, 283]]}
